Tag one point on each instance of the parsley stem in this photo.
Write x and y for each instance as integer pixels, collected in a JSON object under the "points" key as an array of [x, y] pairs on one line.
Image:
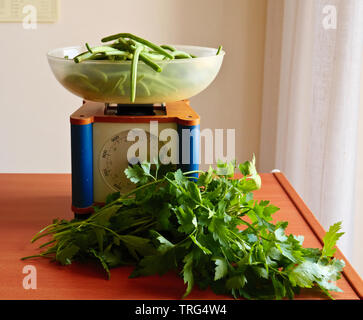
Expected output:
{"points": [[107, 229], [38, 236], [255, 231], [36, 256], [125, 196], [46, 228], [47, 243], [145, 227], [145, 220], [281, 273], [188, 237], [191, 172]]}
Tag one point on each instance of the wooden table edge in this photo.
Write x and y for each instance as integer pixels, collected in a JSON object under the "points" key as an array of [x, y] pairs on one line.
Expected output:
{"points": [[349, 272]]}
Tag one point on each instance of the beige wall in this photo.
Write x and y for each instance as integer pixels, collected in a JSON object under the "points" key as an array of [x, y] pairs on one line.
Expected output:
{"points": [[34, 125]]}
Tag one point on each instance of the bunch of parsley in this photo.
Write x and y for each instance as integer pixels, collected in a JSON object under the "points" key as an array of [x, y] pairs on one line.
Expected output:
{"points": [[209, 228]]}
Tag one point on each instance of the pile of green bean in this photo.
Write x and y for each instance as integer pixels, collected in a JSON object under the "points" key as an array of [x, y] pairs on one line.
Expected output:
{"points": [[126, 46]]}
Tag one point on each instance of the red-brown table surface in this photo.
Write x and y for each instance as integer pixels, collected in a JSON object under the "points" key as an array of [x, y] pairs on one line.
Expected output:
{"points": [[28, 202]]}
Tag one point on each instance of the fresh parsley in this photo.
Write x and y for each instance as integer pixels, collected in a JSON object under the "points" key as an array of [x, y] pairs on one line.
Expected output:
{"points": [[210, 229]]}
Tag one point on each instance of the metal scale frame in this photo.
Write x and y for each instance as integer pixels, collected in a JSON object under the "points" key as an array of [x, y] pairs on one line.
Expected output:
{"points": [[94, 123]]}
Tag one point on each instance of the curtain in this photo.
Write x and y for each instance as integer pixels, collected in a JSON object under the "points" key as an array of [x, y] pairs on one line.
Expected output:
{"points": [[310, 109]]}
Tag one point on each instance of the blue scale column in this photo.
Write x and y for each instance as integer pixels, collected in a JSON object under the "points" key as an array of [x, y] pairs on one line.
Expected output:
{"points": [[189, 148], [82, 165]]}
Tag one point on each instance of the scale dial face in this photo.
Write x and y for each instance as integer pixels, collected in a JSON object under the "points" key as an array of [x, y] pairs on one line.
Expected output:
{"points": [[113, 160]]}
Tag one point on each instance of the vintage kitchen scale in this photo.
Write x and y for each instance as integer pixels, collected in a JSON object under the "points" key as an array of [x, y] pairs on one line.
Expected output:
{"points": [[100, 128]]}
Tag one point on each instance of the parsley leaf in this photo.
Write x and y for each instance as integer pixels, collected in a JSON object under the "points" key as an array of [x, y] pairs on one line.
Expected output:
{"points": [[188, 273], [221, 269], [330, 239]]}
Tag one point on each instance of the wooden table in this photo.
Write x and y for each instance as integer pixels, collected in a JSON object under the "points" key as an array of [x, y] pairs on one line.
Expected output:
{"points": [[28, 202]]}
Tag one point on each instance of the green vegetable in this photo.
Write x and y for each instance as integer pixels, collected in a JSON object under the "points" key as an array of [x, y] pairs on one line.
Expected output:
{"points": [[88, 48], [167, 47], [210, 229], [84, 56], [135, 60], [139, 40], [330, 239]]}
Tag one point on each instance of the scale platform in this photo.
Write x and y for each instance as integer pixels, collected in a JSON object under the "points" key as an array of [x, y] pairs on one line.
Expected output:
{"points": [[179, 111]]}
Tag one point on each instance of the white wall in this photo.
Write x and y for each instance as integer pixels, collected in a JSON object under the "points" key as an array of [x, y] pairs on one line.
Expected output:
{"points": [[35, 109]]}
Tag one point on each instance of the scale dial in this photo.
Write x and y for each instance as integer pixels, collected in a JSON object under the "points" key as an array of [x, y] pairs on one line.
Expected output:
{"points": [[113, 160]]}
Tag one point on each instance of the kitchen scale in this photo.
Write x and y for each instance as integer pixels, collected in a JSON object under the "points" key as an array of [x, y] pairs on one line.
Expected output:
{"points": [[107, 126]]}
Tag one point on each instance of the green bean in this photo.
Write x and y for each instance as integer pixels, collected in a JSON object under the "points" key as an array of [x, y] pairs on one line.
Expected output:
{"points": [[140, 77], [126, 46], [77, 76], [88, 48], [119, 82], [167, 47], [92, 52], [180, 54], [132, 42], [140, 40], [150, 63], [160, 89], [153, 56], [177, 53], [120, 58], [135, 60], [120, 46], [82, 81], [83, 56], [157, 80], [104, 49], [122, 90], [98, 75], [145, 87], [119, 53], [173, 50], [219, 50], [99, 56]]}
